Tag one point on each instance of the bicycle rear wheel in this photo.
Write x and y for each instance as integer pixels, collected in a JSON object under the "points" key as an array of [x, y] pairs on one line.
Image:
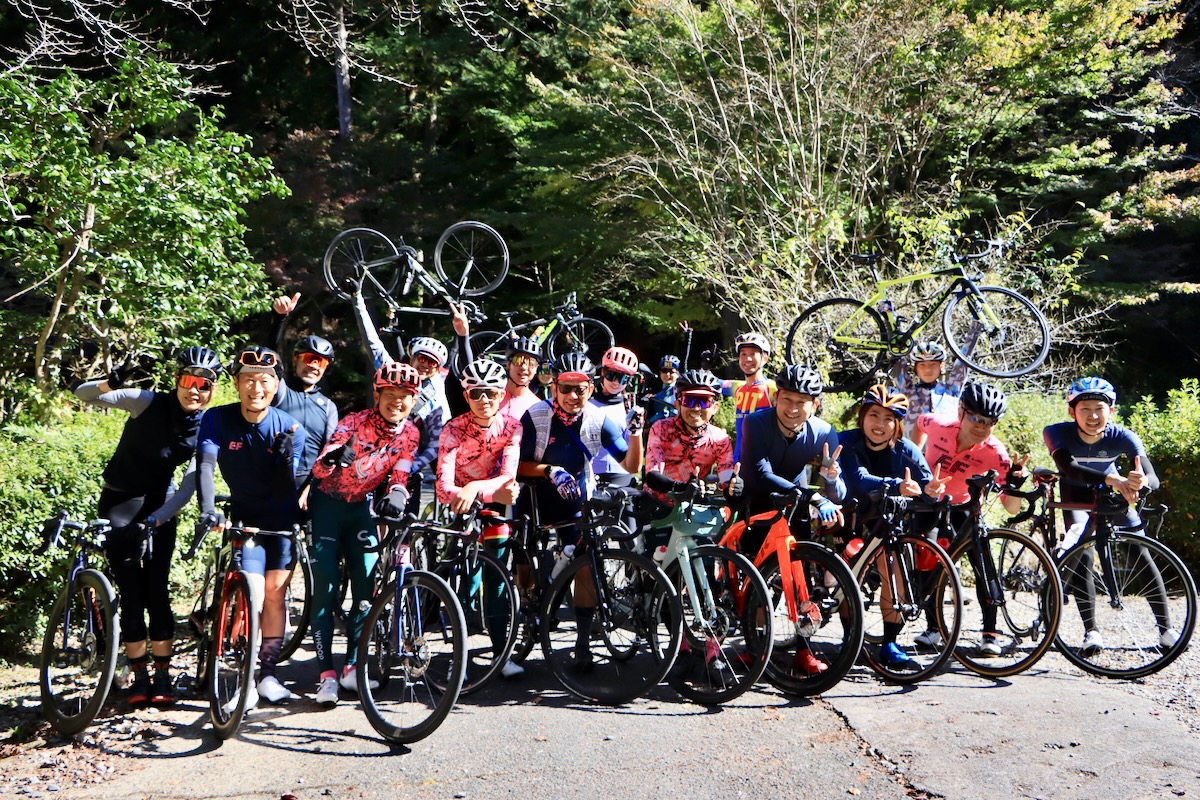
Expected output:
{"points": [[362, 253], [581, 335], [298, 603], [1026, 620], [727, 644], [829, 625], [840, 338], [414, 648], [489, 602], [233, 651], [79, 653], [634, 635], [471, 258], [1155, 593], [489, 344], [997, 332]]}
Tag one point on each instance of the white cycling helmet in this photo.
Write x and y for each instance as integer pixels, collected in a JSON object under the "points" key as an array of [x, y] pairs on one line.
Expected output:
{"points": [[928, 351], [484, 373], [428, 346], [752, 340]]}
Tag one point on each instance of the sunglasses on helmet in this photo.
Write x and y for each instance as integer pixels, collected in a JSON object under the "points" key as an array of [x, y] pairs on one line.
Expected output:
{"points": [[257, 358]]}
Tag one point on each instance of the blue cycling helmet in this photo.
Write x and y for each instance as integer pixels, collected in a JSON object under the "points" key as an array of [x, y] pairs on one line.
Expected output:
{"points": [[1091, 389], [668, 362]]}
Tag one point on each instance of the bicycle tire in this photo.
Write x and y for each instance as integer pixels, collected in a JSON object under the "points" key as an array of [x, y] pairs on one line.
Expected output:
{"points": [[831, 627], [75, 673], [842, 339], [936, 589], [1015, 347], [233, 651], [407, 704], [580, 335], [298, 603], [483, 662], [358, 250], [471, 258], [1027, 621], [489, 344], [1131, 632], [640, 627], [726, 648]]}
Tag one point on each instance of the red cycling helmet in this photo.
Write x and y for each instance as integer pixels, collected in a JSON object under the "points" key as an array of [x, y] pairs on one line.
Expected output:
{"points": [[620, 360], [401, 376]]}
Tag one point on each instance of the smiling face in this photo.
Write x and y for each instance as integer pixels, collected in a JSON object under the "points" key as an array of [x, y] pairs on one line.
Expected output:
{"points": [[975, 428], [484, 403], [256, 390], [193, 393], [880, 427], [792, 409], [1091, 417], [572, 394], [426, 367], [521, 369], [309, 368], [394, 403], [751, 360], [697, 409]]}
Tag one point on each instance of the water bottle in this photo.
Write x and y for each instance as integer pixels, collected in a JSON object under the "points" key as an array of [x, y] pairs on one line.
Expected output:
{"points": [[563, 559], [853, 548], [660, 555]]}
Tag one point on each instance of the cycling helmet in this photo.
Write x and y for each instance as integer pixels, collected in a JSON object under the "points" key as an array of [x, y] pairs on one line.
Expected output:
{"points": [[983, 398], [698, 380], [199, 361], [427, 346], [621, 360], [577, 363], [752, 340], [483, 373], [315, 345], [928, 351], [668, 362], [399, 375], [261, 360], [1091, 389], [889, 397], [523, 345], [798, 378]]}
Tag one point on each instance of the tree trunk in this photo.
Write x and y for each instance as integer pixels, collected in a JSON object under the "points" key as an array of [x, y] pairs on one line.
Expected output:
{"points": [[66, 292], [342, 73]]}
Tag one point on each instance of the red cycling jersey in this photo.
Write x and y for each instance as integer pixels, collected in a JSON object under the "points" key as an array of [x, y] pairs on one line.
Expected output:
{"points": [[672, 450], [941, 450], [382, 451], [468, 452]]}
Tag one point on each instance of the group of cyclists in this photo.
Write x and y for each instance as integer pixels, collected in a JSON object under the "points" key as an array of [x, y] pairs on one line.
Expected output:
{"points": [[533, 432]]}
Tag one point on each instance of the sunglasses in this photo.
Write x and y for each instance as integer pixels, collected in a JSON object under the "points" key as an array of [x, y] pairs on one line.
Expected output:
{"points": [[697, 402], [980, 419], [256, 358], [616, 377], [574, 388], [523, 361], [197, 382], [314, 359], [427, 359], [483, 394]]}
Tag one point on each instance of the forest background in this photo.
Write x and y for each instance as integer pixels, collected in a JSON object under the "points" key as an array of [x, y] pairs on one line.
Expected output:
{"points": [[168, 167]]}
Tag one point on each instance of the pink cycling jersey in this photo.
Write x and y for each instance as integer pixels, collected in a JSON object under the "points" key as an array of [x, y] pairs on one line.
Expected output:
{"points": [[468, 452], [941, 450], [382, 452], [672, 450], [516, 406]]}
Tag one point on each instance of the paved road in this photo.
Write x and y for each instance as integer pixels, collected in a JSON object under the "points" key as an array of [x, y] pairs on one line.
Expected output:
{"points": [[1051, 733]]}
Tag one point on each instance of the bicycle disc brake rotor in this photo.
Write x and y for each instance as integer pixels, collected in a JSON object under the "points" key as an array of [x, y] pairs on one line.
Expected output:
{"points": [[416, 661]]}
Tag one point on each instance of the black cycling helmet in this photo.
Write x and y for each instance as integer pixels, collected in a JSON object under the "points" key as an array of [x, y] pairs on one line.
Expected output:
{"points": [[199, 360], [698, 380], [983, 398], [315, 345], [523, 345], [799, 378], [574, 362]]}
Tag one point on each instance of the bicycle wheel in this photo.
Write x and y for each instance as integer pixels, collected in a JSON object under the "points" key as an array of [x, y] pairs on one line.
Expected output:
{"points": [[997, 332], [489, 344], [79, 653], [362, 253], [471, 258], [414, 647], [580, 335], [634, 635], [488, 598], [1024, 624], [1155, 593], [233, 651], [298, 602], [726, 626], [829, 625], [924, 599], [842, 339]]}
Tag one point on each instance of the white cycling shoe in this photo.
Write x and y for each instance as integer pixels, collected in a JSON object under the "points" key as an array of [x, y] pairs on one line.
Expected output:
{"points": [[274, 691]]}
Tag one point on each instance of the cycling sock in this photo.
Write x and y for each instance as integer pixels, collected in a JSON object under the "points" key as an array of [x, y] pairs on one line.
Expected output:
{"points": [[141, 662], [583, 628], [891, 630], [268, 654], [162, 662]]}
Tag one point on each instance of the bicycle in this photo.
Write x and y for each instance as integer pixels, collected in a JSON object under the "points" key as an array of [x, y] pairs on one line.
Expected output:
{"points": [[815, 600], [993, 330], [413, 646], [563, 332], [1137, 587], [1011, 573], [83, 635]]}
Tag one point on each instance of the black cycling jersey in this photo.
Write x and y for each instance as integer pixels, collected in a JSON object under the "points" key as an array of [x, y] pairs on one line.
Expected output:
{"points": [[153, 444]]}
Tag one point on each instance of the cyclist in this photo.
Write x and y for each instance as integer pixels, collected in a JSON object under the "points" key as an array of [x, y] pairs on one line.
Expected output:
{"points": [[545, 380], [785, 446], [523, 356], [558, 440], [662, 403], [137, 497], [617, 369], [477, 462], [371, 450], [1086, 451], [755, 391], [878, 461], [921, 381], [257, 447]]}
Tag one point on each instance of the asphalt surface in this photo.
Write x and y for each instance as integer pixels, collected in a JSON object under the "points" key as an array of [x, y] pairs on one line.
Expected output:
{"points": [[1050, 733]]}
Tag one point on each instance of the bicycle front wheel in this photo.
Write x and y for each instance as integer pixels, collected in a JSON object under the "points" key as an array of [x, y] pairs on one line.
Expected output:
{"points": [[471, 258], [1143, 623], [232, 652], [633, 635], [1017, 608], [828, 625], [488, 598], [581, 335], [79, 653], [726, 626], [996, 332], [840, 338], [362, 253], [413, 649], [298, 604]]}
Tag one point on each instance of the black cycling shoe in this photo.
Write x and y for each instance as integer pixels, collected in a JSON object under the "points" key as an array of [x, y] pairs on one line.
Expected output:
{"points": [[139, 689], [162, 690]]}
